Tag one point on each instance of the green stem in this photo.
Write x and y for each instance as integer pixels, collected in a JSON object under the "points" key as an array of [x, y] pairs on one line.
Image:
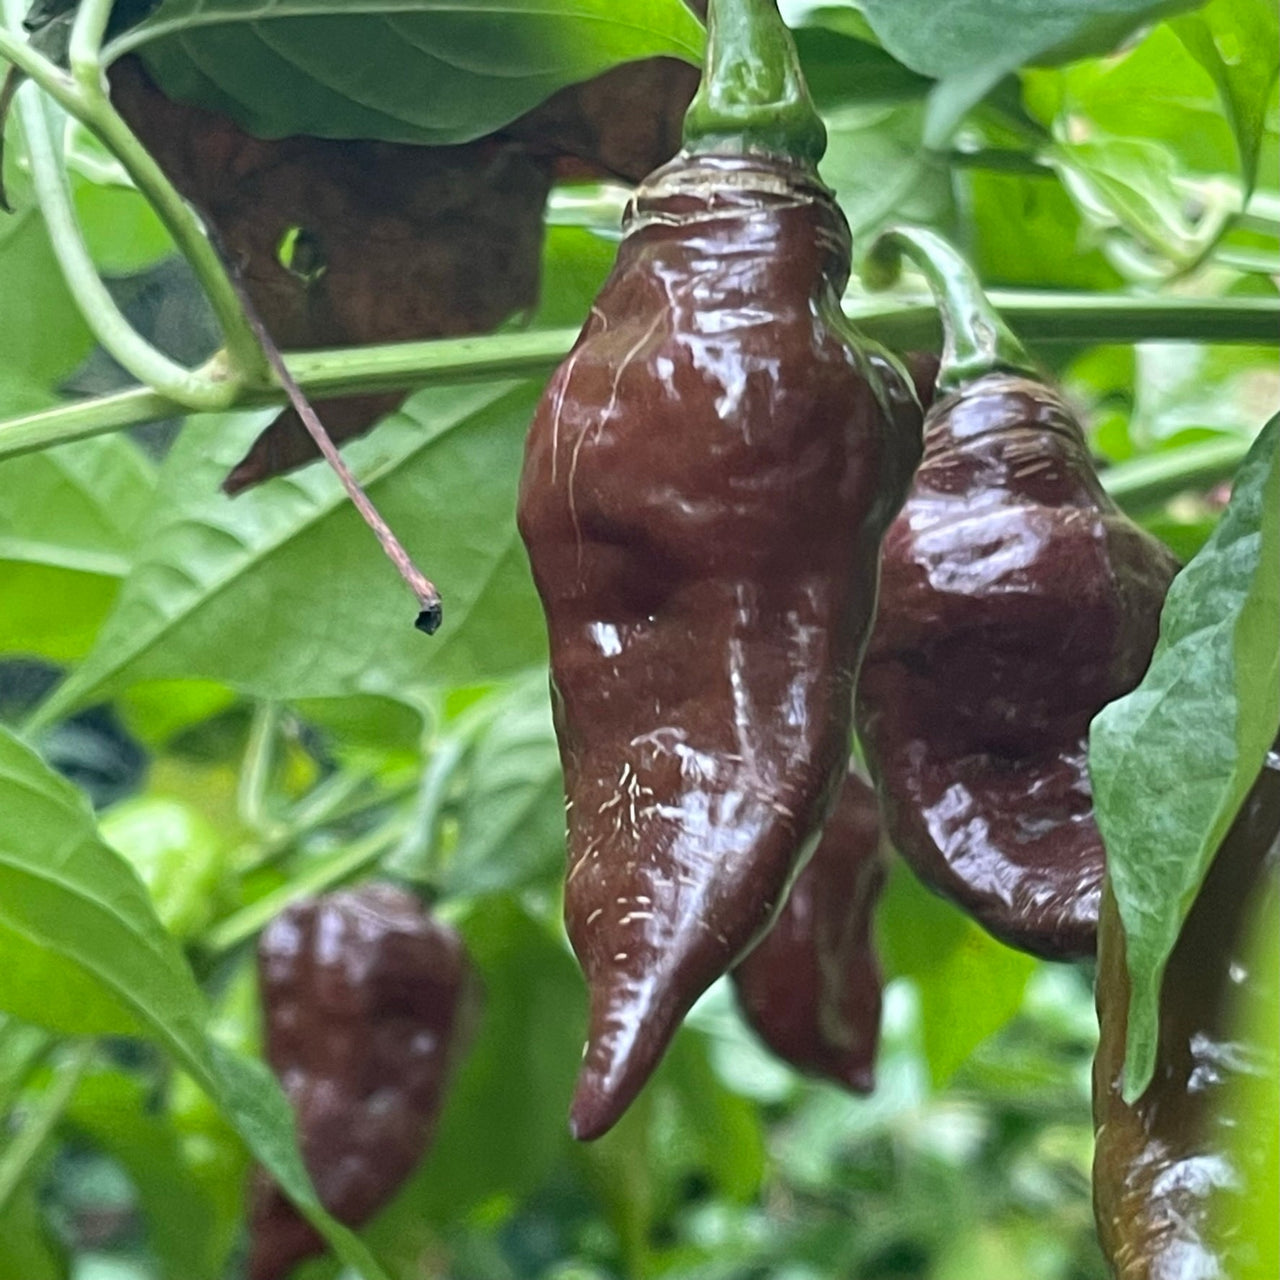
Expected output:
{"points": [[1148, 482], [315, 878], [85, 46], [35, 66], [1044, 317], [976, 340], [84, 96], [255, 771], [753, 97], [1001, 160], [96, 304], [41, 1121]]}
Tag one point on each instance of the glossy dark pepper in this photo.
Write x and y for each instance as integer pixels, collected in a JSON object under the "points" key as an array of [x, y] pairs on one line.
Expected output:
{"points": [[366, 1003], [811, 987], [1016, 601], [705, 486], [1171, 1172]]}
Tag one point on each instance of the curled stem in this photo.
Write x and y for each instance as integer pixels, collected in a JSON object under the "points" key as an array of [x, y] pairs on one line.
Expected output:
{"points": [[977, 341], [189, 389]]}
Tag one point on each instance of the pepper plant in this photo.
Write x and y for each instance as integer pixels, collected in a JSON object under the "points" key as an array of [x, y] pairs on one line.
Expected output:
{"points": [[218, 708]]}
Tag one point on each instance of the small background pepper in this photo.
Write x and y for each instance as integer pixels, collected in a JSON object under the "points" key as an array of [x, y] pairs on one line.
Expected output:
{"points": [[1168, 1168], [1016, 601], [706, 483], [365, 1001], [811, 987]]}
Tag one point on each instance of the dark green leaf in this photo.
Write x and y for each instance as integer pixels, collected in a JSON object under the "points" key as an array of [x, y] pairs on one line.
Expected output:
{"points": [[284, 592], [427, 71], [1172, 761], [969, 45]]}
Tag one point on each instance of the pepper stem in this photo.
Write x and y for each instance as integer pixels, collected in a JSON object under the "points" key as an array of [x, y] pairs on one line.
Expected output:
{"points": [[976, 341], [753, 97]]}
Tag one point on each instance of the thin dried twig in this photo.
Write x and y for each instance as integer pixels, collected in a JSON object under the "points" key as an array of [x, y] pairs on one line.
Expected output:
{"points": [[430, 611]]}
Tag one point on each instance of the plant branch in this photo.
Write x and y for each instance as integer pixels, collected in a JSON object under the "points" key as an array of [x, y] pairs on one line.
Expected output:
{"points": [[109, 325], [84, 95], [35, 66], [85, 46], [1147, 482], [1037, 317], [317, 877]]}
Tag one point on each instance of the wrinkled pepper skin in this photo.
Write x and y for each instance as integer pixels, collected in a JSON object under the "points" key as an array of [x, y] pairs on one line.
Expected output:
{"points": [[1016, 601], [1171, 1172], [366, 1002], [705, 486], [810, 989]]}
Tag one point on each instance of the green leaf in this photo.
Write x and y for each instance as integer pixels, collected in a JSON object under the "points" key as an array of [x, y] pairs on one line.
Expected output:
{"points": [[1026, 231], [969, 984], [1238, 44], [26, 1242], [1172, 761], [841, 67], [505, 1121], [880, 172], [425, 71], [114, 1112], [81, 951], [68, 519], [1154, 90], [969, 45], [21, 1047], [1133, 184], [511, 824], [284, 593], [42, 333]]}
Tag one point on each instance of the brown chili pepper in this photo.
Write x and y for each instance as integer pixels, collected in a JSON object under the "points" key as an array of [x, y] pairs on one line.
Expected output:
{"points": [[1016, 602], [366, 1001], [705, 487], [811, 987], [1170, 1172]]}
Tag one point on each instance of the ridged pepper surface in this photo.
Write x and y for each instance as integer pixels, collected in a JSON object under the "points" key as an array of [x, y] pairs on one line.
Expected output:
{"points": [[366, 1002], [705, 486], [1016, 601]]}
